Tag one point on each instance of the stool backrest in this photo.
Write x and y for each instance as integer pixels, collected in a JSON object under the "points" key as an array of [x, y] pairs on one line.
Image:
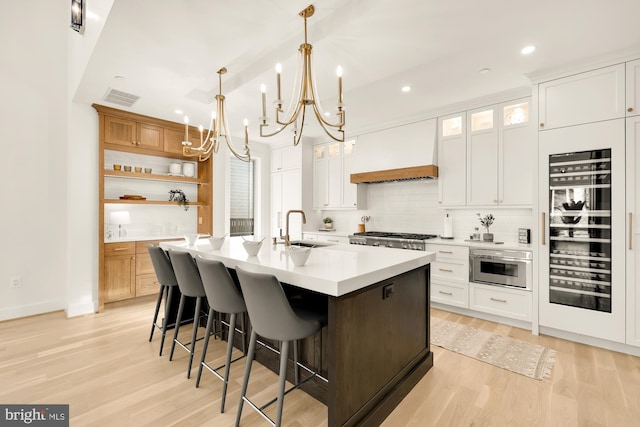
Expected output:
{"points": [[162, 266], [222, 293], [187, 273], [269, 309]]}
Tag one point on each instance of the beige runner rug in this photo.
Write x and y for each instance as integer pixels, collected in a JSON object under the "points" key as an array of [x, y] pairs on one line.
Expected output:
{"points": [[531, 360]]}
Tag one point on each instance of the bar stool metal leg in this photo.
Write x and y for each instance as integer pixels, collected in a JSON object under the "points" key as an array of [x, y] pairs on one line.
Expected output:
{"points": [[196, 320], [247, 372], [207, 334], [232, 330], [178, 321], [284, 355], [155, 314], [165, 321]]}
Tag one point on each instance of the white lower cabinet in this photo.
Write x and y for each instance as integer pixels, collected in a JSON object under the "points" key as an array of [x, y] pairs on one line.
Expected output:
{"points": [[326, 237], [450, 275], [501, 301]]}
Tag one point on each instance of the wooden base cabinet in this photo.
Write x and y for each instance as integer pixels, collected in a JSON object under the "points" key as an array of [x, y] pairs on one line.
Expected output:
{"points": [[119, 271]]}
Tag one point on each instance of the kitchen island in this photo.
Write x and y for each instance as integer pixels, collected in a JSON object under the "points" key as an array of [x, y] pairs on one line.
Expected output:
{"points": [[375, 347]]}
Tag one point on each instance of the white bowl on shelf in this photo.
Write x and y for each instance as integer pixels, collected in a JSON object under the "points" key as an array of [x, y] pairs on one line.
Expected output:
{"points": [[217, 242], [252, 247], [191, 239], [299, 255]]}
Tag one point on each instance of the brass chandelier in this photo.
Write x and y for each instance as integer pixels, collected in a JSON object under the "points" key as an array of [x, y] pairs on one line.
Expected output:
{"points": [[304, 94], [217, 129]]}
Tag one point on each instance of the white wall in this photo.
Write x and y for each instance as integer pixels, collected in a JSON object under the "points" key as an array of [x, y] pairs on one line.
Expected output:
{"points": [[412, 207], [33, 138]]}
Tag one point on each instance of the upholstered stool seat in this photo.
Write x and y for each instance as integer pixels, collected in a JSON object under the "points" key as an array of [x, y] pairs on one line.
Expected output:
{"points": [[273, 317]]}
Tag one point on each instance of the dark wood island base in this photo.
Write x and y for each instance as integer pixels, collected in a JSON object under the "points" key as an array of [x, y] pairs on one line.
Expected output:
{"points": [[373, 351]]}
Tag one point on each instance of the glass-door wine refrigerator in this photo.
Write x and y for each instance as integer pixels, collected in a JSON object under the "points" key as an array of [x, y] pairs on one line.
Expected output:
{"points": [[582, 256]]}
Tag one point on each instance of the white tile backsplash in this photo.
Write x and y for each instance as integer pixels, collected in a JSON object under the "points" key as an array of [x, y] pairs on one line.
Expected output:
{"points": [[412, 207]]}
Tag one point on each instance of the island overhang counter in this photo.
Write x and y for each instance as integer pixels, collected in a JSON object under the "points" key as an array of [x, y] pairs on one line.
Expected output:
{"points": [[375, 347]]}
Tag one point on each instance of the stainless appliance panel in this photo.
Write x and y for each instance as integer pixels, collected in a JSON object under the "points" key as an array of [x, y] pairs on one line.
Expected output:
{"points": [[501, 268]]}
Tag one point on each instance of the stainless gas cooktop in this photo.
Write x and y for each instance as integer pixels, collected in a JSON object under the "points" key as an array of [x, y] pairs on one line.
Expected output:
{"points": [[411, 241]]}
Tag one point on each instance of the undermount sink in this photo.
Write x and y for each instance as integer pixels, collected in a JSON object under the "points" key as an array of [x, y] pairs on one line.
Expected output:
{"points": [[307, 244]]}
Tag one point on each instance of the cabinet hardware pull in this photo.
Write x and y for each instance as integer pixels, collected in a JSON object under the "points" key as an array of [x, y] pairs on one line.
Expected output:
{"points": [[445, 252], [542, 229], [446, 270], [497, 299], [333, 240], [495, 201], [120, 249], [541, 125], [630, 109], [445, 293], [630, 231]]}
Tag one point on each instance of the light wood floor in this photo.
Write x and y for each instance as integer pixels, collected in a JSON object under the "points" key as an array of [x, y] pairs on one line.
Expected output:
{"points": [[104, 367]]}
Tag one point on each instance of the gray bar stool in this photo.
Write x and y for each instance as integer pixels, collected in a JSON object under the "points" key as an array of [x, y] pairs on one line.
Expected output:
{"points": [[272, 317], [223, 296], [190, 285], [167, 281]]}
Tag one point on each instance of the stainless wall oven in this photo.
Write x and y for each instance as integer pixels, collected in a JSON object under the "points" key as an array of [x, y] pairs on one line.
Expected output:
{"points": [[503, 267]]}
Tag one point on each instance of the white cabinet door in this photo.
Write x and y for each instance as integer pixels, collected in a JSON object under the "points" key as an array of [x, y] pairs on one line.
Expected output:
{"points": [[633, 231], [586, 269], [633, 88], [334, 175], [286, 195], [482, 157], [349, 190], [515, 154], [452, 164], [582, 98], [286, 158], [320, 177]]}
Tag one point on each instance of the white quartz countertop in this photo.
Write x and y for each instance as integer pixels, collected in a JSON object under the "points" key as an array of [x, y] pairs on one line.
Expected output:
{"points": [[481, 244], [333, 270]]}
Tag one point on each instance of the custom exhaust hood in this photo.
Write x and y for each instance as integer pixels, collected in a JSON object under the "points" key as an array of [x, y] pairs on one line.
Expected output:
{"points": [[400, 174], [401, 153]]}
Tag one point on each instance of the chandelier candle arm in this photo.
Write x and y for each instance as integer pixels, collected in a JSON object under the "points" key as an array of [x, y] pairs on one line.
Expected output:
{"points": [[217, 128], [303, 95]]}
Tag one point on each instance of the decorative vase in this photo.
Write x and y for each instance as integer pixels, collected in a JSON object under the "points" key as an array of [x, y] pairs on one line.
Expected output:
{"points": [[328, 225], [487, 237]]}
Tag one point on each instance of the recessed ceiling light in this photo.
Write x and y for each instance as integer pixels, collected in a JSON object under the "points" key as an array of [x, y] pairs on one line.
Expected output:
{"points": [[178, 112], [527, 50], [485, 71], [406, 89]]}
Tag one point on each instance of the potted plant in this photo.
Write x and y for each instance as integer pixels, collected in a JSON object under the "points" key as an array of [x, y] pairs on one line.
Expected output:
{"points": [[486, 222], [328, 223], [179, 196]]}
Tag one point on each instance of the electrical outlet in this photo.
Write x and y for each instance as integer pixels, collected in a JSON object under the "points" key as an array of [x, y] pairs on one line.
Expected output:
{"points": [[15, 282]]}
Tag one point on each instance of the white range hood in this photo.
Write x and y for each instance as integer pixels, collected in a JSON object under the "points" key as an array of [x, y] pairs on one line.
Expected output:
{"points": [[399, 153]]}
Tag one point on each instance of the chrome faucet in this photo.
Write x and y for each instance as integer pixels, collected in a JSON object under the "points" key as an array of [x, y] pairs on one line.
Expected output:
{"points": [[287, 241]]}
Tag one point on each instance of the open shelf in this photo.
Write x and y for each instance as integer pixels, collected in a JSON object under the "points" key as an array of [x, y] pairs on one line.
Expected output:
{"points": [[149, 202], [150, 176]]}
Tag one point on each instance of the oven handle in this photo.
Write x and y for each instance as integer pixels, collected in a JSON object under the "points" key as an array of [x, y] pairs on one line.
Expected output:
{"points": [[542, 228], [500, 258]]}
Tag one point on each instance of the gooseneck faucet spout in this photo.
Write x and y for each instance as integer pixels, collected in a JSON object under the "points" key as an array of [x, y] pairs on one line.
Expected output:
{"points": [[287, 241]]}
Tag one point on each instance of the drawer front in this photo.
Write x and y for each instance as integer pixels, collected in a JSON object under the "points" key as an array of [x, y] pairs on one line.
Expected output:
{"points": [[444, 252], [123, 248], [450, 294], [501, 301], [308, 236], [146, 285], [333, 239], [144, 264], [450, 270], [141, 247]]}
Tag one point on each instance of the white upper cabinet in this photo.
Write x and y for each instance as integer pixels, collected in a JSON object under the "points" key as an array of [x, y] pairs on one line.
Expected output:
{"points": [[582, 98], [452, 160], [482, 156], [633, 88], [353, 195], [333, 163], [515, 153], [286, 158]]}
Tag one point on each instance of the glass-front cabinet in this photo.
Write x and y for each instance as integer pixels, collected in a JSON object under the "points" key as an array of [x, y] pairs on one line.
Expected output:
{"points": [[582, 256]]}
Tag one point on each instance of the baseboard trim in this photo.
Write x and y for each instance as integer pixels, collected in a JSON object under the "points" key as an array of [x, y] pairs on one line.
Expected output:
{"points": [[81, 309], [31, 309]]}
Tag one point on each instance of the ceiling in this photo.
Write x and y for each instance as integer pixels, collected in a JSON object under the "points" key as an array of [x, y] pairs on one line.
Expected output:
{"points": [[168, 53]]}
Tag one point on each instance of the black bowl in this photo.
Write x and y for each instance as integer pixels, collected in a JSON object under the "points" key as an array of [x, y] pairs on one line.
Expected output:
{"points": [[571, 219], [573, 206]]}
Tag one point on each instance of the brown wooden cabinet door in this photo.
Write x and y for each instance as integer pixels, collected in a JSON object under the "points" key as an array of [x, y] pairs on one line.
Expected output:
{"points": [[146, 284], [119, 277], [150, 137], [119, 131], [173, 140]]}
